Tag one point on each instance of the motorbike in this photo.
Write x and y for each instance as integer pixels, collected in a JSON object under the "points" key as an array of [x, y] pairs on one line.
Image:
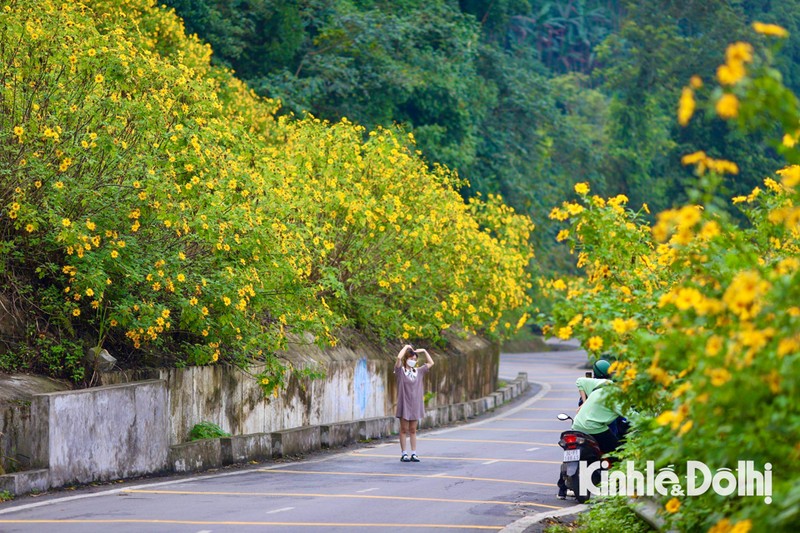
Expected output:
{"points": [[578, 446]]}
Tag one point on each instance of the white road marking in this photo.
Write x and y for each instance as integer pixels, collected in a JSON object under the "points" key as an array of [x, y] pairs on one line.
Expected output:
{"points": [[282, 509], [490, 462], [531, 449], [367, 490]]}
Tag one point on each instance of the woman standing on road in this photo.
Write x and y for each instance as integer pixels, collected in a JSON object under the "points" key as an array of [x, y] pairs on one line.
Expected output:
{"points": [[410, 391]]}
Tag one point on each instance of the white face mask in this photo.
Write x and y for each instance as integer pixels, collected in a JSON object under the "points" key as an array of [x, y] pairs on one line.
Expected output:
{"points": [[411, 362]]}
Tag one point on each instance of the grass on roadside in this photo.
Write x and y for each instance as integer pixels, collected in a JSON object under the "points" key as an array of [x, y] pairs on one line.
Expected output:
{"points": [[524, 341], [608, 514]]}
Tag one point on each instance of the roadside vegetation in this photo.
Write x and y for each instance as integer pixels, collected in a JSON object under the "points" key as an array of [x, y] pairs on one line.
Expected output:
{"points": [[700, 309], [151, 204]]}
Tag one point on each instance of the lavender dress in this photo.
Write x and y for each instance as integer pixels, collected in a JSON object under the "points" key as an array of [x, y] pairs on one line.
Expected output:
{"points": [[410, 394]]}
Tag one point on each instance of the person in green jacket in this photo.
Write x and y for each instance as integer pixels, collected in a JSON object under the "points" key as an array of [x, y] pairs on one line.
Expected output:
{"points": [[596, 413], [595, 417], [602, 377]]}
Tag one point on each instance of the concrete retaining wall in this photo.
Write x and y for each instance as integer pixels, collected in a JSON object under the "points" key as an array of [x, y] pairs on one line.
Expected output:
{"points": [[16, 425], [124, 429], [101, 433], [359, 384], [211, 453]]}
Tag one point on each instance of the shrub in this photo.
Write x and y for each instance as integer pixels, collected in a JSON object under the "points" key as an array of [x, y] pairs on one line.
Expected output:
{"points": [[206, 430], [701, 310], [154, 205]]}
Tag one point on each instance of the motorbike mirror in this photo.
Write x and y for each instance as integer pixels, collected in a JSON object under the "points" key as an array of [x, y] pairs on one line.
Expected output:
{"points": [[562, 416]]}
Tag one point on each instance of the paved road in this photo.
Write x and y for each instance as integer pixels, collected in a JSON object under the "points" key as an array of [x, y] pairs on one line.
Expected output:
{"points": [[485, 475]]}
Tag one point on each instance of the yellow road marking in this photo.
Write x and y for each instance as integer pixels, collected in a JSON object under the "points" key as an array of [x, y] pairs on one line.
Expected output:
{"points": [[237, 523], [364, 454], [353, 496], [380, 474], [546, 399], [426, 439], [527, 419], [509, 429]]}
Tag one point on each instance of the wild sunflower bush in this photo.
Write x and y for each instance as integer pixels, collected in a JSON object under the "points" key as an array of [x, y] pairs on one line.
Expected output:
{"points": [[152, 204], [701, 309]]}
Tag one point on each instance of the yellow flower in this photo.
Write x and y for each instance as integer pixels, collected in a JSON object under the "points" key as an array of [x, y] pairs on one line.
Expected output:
{"points": [[114, 254], [29, 228], [739, 52], [622, 326], [730, 74], [18, 131], [743, 294], [773, 380], [788, 346], [89, 292], [742, 527], [76, 312], [99, 78], [686, 106], [558, 214], [790, 176], [595, 343], [714, 345], [673, 505], [565, 333], [687, 298], [719, 376], [59, 185], [694, 158], [696, 82], [66, 222], [773, 30], [181, 277], [574, 209], [582, 188], [665, 418], [562, 235], [710, 230], [727, 106]]}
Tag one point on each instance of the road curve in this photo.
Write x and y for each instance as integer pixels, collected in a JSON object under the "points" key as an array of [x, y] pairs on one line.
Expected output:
{"points": [[497, 473]]}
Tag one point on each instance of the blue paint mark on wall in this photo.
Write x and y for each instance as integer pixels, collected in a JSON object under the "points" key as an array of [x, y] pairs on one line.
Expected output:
{"points": [[362, 387]]}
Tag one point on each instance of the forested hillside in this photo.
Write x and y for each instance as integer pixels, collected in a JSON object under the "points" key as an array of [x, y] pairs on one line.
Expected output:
{"points": [[522, 97]]}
